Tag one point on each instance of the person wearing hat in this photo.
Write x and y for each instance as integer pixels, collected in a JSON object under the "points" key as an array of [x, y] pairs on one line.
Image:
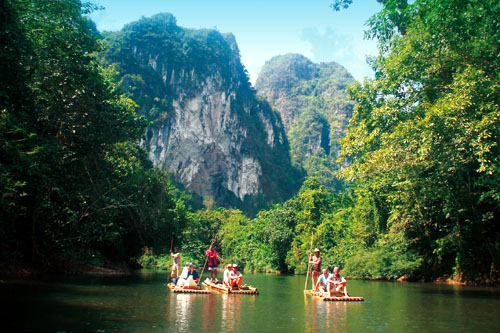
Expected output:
{"points": [[176, 256], [184, 275], [235, 278], [315, 261], [227, 274], [192, 278]]}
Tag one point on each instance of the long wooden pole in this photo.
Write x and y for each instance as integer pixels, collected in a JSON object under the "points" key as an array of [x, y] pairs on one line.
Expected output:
{"points": [[173, 260], [308, 261], [206, 259]]}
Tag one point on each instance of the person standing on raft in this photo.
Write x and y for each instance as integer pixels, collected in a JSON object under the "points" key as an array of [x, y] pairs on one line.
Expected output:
{"points": [[176, 256], [211, 254], [315, 261]]}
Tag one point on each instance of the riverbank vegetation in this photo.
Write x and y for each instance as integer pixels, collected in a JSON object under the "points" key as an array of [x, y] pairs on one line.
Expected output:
{"points": [[421, 157]]}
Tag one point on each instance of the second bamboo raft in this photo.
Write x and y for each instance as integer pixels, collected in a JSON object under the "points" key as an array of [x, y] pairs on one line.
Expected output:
{"points": [[334, 298], [244, 290]]}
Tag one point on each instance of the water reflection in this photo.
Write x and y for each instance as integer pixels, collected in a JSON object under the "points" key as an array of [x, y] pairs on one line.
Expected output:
{"points": [[336, 314], [219, 312], [231, 312], [134, 305], [311, 311], [183, 306], [209, 313], [322, 315]]}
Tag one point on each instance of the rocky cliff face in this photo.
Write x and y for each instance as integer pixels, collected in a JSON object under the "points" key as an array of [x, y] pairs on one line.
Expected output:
{"points": [[315, 109], [210, 130]]}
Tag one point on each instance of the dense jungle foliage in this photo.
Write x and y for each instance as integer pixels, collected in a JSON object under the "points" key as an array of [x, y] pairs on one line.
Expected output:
{"points": [[75, 186], [423, 139], [424, 173]]}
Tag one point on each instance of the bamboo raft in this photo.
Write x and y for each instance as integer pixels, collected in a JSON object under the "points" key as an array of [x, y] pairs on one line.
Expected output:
{"points": [[244, 290], [334, 298], [187, 291]]}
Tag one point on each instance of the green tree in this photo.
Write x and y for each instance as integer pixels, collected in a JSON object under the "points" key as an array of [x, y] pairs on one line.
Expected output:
{"points": [[274, 229], [75, 185], [424, 135]]}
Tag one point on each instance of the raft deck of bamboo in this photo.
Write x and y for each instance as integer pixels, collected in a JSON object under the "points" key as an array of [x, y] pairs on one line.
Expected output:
{"points": [[187, 291], [245, 290], [334, 298]]}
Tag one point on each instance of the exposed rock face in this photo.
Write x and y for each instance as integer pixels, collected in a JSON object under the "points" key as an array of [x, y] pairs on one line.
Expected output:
{"points": [[308, 95], [280, 81], [313, 104], [210, 130]]}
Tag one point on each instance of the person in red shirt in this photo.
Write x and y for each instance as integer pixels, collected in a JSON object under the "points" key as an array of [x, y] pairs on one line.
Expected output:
{"points": [[212, 262], [235, 278]]}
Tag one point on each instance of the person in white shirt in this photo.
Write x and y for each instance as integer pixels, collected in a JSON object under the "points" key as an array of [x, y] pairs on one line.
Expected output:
{"points": [[337, 284], [184, 275], [227, 273]]}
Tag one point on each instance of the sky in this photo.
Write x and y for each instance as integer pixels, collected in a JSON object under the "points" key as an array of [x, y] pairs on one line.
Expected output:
{"points": [[265, 28]]}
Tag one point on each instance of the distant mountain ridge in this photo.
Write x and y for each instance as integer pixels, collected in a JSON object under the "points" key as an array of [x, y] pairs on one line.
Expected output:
{"points": [[314, 106], [210, 129]]}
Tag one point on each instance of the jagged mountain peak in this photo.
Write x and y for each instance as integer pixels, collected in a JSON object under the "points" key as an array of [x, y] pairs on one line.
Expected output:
{"points": [[210, 129], [286, 67], [312, 101]]}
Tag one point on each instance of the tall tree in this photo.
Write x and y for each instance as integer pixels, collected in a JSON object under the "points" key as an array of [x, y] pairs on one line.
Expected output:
{"points": [[74, 182], [424, 135]]}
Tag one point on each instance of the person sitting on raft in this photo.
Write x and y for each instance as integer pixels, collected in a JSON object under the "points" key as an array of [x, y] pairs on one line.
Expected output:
{"points": [[337, 284], [322, 285], [182, 278], [192, 279], [227, 273], [235, 278]]}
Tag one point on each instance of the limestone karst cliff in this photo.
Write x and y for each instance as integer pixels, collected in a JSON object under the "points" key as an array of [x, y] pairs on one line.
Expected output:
{"points": [[315, 109], [209, 129]]}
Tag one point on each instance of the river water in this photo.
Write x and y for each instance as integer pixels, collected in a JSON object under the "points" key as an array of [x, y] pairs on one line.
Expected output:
{"points": [[143, 303]]}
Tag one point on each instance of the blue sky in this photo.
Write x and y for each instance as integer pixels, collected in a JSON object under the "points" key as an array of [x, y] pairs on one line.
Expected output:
{"points": [[264, 29]]}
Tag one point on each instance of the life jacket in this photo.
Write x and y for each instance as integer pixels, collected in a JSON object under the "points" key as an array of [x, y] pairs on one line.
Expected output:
{"points": [[212, 257]]}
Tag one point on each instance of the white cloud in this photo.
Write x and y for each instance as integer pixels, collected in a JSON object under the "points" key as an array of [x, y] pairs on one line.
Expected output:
{"points": [[346, 50]]}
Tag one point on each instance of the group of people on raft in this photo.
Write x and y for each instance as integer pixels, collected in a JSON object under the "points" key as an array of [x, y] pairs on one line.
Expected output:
{"points": [[332, 284], [189, 277]]}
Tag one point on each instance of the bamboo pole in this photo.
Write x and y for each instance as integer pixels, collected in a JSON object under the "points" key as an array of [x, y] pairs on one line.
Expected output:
{"points": [[308, 262]]}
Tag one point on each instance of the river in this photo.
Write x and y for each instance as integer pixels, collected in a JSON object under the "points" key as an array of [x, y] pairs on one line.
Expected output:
{"points": [[143, 303]]}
